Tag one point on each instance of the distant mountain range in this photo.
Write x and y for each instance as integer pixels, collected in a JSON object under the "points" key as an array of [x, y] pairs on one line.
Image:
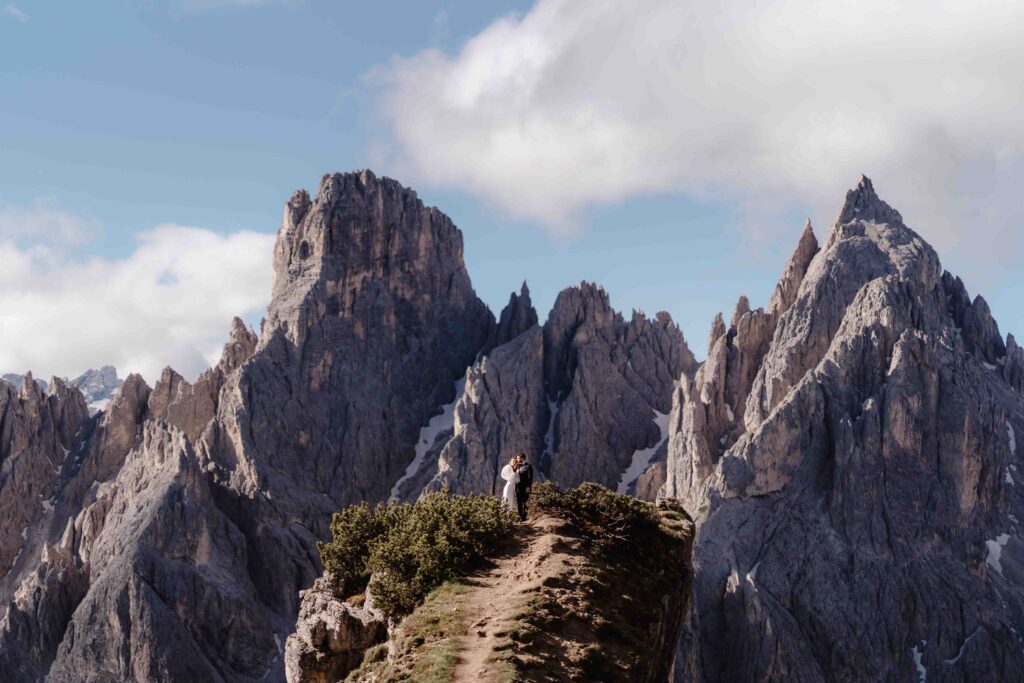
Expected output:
{"points": [[97, 386], [848, 453]]}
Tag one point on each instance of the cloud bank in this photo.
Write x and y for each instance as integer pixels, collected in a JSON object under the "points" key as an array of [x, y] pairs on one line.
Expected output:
{"points": [[169, 302], [766, 106]]}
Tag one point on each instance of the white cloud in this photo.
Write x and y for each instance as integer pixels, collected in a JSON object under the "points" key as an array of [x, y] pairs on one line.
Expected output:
{"points": [[771, 105], [43, 222], [169, 302], [13, 11]]}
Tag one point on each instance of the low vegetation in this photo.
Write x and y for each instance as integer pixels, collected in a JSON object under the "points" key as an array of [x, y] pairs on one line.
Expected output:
{"points": [[608, 521], [425, 646], [404, 551], [606, 615], [594, 587]]}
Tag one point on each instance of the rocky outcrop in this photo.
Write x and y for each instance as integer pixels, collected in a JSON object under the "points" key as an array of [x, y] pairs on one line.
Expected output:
{"points": [[609, 380], [372, 320], [579, 592], [502, 411], [709, 409], [794, 271], [191, 407], [854, 513], [331, 634], [16, 380], [1013, 365], [157, 549], [185, 522], [978, 328], [585, 397], [38, 430], [517, 317]]}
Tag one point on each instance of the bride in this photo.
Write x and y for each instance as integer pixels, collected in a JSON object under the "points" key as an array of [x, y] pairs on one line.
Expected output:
{"points": [[511, 477]]}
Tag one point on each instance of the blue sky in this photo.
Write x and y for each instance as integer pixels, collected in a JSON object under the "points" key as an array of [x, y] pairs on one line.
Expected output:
{"points": [[566, 143]]}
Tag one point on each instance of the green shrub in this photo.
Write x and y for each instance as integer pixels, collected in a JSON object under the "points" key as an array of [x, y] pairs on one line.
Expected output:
{"points": [[611, 520], [410, 549], [353, 532]]}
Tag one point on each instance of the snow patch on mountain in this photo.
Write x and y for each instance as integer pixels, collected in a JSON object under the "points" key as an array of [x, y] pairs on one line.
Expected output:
{"points": [[642, 458], [922, 672], [442, 422], [995, 552]]}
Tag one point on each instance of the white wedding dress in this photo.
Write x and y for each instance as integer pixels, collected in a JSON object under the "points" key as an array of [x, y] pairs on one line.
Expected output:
{"points": [[508, 496]]}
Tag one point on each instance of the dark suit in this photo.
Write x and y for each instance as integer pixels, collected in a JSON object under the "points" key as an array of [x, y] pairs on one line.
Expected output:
{"points": [[525, 472]]}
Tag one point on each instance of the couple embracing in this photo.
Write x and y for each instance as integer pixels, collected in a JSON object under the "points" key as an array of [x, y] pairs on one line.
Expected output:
{"points": [[518, 476]]}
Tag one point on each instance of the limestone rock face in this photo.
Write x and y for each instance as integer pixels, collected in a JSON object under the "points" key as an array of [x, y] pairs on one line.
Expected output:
{"points": [[586, 397], [977, 327], [864, 502], [609, 380], [517, 317], [184, 521], [708, 412], [1013, 366], [16, 380], [191, 407], [793, 274], [372, 320], [502, 411], [331, 634], [156, 548], [38, 430]]}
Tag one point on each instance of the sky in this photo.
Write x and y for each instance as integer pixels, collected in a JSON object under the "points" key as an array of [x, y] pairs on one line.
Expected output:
{"points": [[667, 149]]}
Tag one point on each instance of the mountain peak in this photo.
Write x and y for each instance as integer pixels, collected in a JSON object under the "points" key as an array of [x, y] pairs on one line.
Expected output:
{"points": [[863, 203], [793, 274], [517, 317]]}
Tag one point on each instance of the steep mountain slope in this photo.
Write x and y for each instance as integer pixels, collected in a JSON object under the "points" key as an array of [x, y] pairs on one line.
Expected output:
{"points": [[167, 537], [581, 396], [846, 517], [849, 454], [186, 523]]}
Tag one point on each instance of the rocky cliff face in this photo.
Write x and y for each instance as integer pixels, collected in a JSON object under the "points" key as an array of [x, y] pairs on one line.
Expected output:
{"points": [[611, 381], [708, 410], [586, 397], [848, 451], [184, 523], [860, 522], [191, 503]]}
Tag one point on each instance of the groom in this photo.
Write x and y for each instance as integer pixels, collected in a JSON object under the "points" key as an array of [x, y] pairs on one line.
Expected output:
{"points": [[525, 472]]}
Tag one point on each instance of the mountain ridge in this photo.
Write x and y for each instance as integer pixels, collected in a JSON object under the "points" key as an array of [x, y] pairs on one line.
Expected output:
{"points": [[813, 403]]}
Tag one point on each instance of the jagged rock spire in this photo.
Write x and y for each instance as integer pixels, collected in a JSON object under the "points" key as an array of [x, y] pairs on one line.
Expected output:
{"points": [[517, 317], [873, 438], [741, 309], [717, 330], [862, 203], [241, 344], [794, 272]]}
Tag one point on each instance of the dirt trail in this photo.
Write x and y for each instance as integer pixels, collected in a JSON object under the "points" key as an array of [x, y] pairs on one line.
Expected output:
{"points": [[493, 608]]}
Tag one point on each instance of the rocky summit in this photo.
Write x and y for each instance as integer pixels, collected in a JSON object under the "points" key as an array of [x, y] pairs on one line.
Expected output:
{"points": [[848, 452]]}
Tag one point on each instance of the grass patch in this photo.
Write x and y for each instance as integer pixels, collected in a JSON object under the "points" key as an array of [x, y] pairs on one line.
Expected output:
{"points": [[426, 644]]}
